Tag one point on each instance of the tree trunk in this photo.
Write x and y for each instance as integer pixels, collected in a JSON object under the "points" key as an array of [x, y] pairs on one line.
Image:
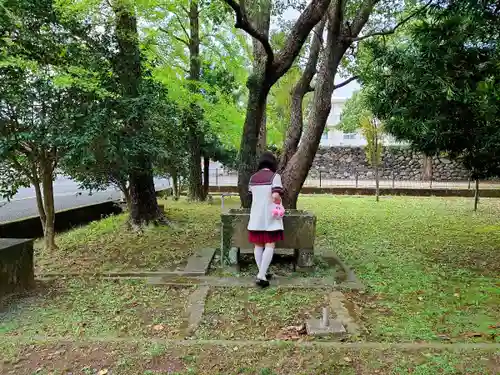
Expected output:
{"points": [[127, 66], [256, 108], [427, 168], [262, 142], [206, 177], [297, 169], [175, 186], [476, 194], [262, 20], [377, 183], [39, 198], [339, 38], [303, 86], [144, 204], [49, 233], [196, 189], [124, 188], [259, 83]]}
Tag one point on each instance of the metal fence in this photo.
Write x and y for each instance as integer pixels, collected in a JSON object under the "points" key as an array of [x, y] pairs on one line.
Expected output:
{"points": [[221, 177]]}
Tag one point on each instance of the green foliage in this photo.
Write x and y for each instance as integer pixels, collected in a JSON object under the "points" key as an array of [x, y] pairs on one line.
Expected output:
{"points": [[372, 131], [439, 86], [46, 87], [355, 111], [219, 94]]}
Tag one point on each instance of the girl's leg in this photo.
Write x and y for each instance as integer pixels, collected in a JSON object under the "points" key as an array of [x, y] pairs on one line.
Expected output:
{"points": [[267, 258], [257, 252]]}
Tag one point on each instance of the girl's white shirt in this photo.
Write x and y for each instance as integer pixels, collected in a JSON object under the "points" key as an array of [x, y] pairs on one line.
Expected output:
{"points": [[262, 185]]}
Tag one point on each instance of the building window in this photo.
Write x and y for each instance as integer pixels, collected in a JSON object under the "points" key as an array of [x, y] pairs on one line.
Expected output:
{"points": [[349, 135]]}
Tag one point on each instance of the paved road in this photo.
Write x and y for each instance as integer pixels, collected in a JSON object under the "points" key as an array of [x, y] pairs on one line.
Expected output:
{"points": [[67, 195]]}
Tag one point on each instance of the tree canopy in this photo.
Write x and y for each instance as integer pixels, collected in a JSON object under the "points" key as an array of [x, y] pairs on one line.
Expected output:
{"points": [[438, 87]]}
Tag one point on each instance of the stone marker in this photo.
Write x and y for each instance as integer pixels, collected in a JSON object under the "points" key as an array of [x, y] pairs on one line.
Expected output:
{"points": [[199, 262], [16, 265], [324, 326], [300, 233]]}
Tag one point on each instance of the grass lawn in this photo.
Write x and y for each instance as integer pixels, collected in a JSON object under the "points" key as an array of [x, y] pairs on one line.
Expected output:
{"points": [[77, 309], [107, 245], [153, 358], [241, 313], [431, 267]]}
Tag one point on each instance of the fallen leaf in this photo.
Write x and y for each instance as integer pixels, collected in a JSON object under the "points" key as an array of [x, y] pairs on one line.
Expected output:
{"points": [[347, 359], [158, 327], [444, 337], [473, 334], [104, 371], [456, 295], [494, 326], [420, 298], [292, 332]]}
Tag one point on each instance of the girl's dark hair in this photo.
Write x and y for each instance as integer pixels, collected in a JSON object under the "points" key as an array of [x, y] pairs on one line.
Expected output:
{"points": [[268, 160]]}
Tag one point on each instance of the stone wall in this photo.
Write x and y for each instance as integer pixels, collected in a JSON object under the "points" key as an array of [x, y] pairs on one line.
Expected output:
{"points": [[400, 163]]}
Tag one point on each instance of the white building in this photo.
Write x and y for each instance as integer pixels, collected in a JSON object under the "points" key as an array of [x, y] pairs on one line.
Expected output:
{"points": [[335, 137]]}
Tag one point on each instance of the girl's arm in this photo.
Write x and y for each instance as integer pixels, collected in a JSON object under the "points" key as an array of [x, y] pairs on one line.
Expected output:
{"points": [[277, 189]]}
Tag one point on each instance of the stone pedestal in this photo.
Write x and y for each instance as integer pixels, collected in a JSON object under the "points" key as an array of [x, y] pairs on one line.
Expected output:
{"points": [[325, 326], [16, 265], [300, 232]]}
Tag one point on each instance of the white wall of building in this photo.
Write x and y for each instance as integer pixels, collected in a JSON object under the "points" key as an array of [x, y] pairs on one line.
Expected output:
{"points": [[334, 137]]}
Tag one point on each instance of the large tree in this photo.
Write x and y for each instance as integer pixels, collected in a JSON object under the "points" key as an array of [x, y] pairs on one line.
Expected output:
{"points": [[192, 35], [259, 83], [344, 21], [347, 24], [47, 95], [110, 31], [439, 86], [127, 66]]}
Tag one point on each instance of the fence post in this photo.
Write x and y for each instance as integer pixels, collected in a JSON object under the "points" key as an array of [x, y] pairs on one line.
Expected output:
{"points": [[430, 182], [393, 180], [356, 176], [217, 177], [320, 179], [469, 183]]}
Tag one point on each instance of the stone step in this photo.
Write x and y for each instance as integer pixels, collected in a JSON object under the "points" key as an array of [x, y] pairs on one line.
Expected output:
{"points": [[246, 282], [199, 262]]}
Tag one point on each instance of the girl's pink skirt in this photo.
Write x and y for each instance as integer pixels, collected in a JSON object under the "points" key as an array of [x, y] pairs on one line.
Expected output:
{"points": [[262, 237]]}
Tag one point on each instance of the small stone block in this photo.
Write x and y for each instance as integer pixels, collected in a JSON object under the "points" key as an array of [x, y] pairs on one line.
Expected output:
{"points": [[199, 262], [315, 327]]}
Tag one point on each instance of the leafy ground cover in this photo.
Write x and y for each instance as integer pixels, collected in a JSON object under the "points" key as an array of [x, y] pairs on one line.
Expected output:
{"points": [[241, 313], [77, 308], [153, 358], [430, 265], [108, 245]]}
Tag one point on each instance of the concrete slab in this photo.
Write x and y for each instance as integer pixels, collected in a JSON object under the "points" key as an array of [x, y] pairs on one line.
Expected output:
{"points": [[246, 282], [199, 262], [315, 327], [195, 308], [336, 301]]}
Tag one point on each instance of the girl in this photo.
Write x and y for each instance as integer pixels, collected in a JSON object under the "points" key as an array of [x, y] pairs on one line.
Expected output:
{"points": [[264, 230]]}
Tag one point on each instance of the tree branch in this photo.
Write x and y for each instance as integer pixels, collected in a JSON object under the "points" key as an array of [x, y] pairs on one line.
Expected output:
{"points": [[182, 26], [243, 23], [393, 30], [299, 33], [346, 82], [174, 36]]}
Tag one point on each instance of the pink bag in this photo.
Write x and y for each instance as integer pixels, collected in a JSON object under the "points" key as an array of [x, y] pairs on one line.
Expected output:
{"points": [[278, 211]]}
